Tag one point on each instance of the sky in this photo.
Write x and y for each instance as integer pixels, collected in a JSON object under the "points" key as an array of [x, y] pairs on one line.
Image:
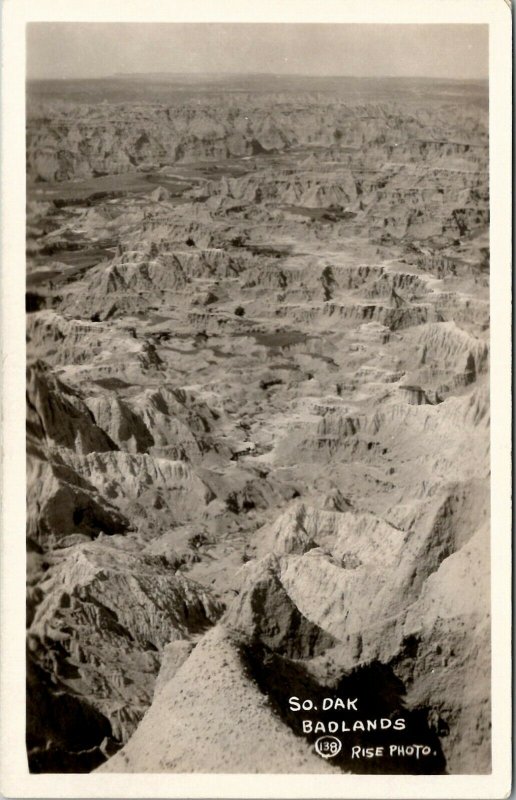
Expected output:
{"points": [[88, 50]]}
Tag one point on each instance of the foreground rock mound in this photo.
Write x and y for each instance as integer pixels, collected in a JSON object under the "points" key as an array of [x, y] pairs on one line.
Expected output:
{"points": [[239, 729]]}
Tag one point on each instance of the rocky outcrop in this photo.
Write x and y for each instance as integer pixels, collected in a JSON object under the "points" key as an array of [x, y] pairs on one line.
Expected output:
{"points": [[95, 639], [58, 416]]}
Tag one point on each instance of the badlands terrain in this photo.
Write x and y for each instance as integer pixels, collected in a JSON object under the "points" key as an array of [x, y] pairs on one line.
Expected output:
{"points": [[257, 423]]}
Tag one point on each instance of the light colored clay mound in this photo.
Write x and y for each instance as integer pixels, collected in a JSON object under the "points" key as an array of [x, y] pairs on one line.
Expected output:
{"points": [[450, 625], [386, 438], [427, 613], [60, 503], [127, 479], [303, 526], [237, 730], [70, 343], [76, 487], [326, 562], [265, 611], [125, 427], [175, 424], [448, 343], [308, 190]]}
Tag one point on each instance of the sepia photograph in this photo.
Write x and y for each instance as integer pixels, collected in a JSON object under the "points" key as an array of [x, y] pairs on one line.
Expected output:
{"points": [[258, 384]]}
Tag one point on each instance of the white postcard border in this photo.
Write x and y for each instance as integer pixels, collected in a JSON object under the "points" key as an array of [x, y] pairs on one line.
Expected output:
{"points": [[15, 780]]}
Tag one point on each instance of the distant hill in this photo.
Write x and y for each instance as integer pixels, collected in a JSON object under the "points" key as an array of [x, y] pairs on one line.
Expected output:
{"points": [[170, 88]]}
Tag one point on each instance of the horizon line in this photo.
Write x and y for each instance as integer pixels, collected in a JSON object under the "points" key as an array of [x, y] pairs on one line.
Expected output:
{"points": [[252, 74]]}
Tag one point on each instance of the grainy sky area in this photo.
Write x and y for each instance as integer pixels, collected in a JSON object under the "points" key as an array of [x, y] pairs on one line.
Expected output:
{"points": [[88, 50]]}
